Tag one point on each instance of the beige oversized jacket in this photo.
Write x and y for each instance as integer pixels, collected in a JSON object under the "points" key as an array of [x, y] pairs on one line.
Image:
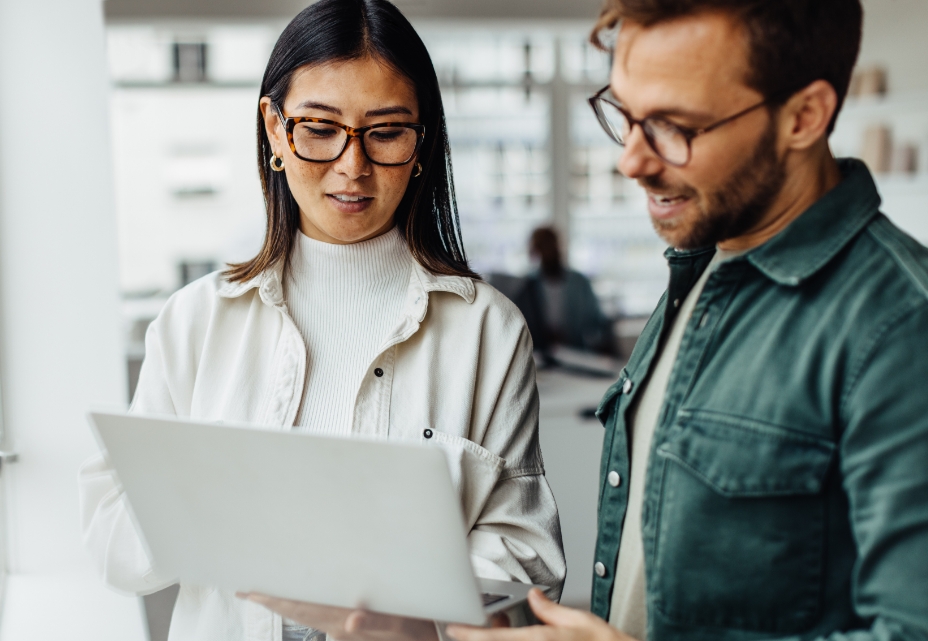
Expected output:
{"points": [[458, 362]]}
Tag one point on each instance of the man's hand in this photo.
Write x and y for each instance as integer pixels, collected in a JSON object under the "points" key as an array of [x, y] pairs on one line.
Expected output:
{"points": [[346, 624], [561, 624]]}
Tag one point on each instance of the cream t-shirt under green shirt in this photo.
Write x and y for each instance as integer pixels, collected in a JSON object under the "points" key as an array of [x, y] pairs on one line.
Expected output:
{"points": [[629, 607]]}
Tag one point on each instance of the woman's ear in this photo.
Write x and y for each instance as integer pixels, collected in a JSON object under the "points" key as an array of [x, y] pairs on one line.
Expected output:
{"points": [[272, 125]]}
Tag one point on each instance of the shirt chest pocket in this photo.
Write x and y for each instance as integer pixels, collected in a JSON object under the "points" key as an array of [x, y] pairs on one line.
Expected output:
{"points": [[740, 524], [474, 471]]}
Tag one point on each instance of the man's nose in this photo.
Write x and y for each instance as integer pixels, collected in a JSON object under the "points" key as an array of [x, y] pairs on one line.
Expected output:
{"points": [[638, 159], [353, 162]]}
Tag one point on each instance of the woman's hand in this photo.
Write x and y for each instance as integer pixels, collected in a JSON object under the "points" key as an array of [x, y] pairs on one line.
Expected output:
{"points": [[346, 624], [561, 624]]}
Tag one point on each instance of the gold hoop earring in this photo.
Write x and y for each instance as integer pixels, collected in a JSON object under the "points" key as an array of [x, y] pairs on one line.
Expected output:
{"points": [[274, 163], [418, 170]]}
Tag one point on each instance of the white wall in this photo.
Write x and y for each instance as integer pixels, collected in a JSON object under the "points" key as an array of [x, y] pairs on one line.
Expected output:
{"points": [[896, 36], [173, 140], [60, 340]]}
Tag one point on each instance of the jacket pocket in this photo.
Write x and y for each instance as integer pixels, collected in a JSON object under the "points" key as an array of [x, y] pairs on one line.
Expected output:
{"points": [[740, 524], [474, 471]]}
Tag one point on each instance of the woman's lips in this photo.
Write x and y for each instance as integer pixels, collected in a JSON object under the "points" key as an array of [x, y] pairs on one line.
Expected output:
{"points": [[349, 204]]}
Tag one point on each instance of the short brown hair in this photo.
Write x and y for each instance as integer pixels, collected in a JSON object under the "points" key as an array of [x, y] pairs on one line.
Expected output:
{"points": [[793, 42]]}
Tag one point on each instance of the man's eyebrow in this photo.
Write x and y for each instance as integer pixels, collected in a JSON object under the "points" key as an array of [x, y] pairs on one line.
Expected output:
{"points": [[309, 104], [388, 111], [667, 112]]}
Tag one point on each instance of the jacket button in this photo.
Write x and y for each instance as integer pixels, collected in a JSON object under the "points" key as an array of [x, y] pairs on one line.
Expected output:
{"points": [[614, 479], [378, 372], [627, 387], [599, 569], [427, 433]]}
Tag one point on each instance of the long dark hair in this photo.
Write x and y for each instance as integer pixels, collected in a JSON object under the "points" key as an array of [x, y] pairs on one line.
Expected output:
{"points": [[336, 30]]}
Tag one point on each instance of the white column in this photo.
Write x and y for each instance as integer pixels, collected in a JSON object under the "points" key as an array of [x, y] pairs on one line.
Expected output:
{"points": [[60, 334], [560, 150]]}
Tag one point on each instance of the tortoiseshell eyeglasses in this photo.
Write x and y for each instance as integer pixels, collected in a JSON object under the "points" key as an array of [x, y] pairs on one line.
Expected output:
{"points": [[320, 140]]}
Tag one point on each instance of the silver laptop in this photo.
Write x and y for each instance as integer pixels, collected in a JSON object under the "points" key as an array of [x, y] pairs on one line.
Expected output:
{"points": [[336, 521]]}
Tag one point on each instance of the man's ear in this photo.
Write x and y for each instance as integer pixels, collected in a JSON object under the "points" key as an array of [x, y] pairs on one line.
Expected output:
{"points": [[272, 125], [806, 115]]}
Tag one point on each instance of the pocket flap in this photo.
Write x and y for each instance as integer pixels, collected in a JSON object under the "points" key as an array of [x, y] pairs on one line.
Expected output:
{"points": [[740, 457], [474, 471]]}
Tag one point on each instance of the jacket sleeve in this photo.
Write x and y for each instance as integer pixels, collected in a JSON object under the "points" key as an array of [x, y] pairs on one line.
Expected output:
{"points": [[517, 535], [884, 464], [109, 533]]}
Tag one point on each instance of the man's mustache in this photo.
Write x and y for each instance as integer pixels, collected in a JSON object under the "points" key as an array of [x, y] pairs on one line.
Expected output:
{"points": [[657, 183]]}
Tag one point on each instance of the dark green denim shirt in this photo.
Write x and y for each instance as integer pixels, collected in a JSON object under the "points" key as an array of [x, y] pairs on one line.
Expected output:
{"points": [[787, 486]]}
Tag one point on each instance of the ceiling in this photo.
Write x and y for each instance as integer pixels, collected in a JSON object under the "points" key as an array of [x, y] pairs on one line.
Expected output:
{"points": [[285, 9]]}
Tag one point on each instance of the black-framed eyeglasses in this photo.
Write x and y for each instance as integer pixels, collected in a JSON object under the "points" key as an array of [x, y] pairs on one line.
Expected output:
{"points": [[671, 142], [320, 140]]}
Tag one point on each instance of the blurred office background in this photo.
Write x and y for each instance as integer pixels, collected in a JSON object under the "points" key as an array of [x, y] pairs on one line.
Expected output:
{"points": [[170, 88]]}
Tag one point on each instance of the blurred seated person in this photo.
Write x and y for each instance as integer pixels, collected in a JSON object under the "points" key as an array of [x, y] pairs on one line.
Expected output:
{"points": [[568, 310]]}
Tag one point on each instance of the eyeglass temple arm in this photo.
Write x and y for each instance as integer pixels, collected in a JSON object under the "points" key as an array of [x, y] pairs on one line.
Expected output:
{"points": [[280, 116], [725, 121]]}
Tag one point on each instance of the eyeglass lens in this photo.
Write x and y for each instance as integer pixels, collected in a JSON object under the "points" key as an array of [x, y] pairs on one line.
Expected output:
{"points": [[665, 139], [385, 145]]}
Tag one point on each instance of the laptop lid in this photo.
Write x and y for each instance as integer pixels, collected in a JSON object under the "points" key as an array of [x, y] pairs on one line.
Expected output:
{"points": [[336, 521]]}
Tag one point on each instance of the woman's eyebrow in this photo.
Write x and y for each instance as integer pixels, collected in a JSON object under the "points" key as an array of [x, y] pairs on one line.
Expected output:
{"points": [[384, 111], [388, 111], [309, 104]]}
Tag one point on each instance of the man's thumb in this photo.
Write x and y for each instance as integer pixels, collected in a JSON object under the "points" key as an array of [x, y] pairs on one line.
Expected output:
{"points": [[547, 610]]}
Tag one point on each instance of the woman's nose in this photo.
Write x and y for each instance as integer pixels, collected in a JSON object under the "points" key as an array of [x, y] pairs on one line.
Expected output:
{"points": [[353, 162]]}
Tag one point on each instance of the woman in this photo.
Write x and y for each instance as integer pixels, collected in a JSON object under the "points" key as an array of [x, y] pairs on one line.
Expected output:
{"points": [[359, 316], [569, 310]]}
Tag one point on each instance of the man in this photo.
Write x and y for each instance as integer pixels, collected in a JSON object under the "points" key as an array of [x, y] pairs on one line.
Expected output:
{"points": [[765, 463]]}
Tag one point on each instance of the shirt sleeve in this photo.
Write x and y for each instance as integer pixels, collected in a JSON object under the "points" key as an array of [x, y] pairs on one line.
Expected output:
{"points": [[109, 534], [884, 465], [517, 535]]}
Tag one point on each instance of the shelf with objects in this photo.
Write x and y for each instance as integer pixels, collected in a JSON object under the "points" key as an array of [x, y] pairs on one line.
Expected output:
{"points": [[496, 88], [889, 131]]}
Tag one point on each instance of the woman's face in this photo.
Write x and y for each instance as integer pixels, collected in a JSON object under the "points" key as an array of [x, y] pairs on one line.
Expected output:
{"points": [[349, 199]]}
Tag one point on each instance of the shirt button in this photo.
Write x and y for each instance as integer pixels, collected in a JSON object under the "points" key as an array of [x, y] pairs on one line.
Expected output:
{"points": [[676, 302], [427, 433], [627, 387], [378, 372], [614, 479], [599, 569]]}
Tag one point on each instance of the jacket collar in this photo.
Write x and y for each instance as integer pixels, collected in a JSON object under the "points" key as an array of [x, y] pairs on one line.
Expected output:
{"points": [[818, 235], [810, 242], [269, 284]]}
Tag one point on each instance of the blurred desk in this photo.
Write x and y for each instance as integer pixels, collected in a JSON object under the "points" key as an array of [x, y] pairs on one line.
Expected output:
{"points": [[571, 445]]}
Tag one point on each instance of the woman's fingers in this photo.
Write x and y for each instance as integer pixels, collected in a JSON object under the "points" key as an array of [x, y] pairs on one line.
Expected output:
{"points": [[321, 617], [468, 633], [387, 628]]}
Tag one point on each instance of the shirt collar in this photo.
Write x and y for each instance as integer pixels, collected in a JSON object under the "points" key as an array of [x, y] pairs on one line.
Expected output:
{"points": [[818, 235], [812, 240], [269, 284]]}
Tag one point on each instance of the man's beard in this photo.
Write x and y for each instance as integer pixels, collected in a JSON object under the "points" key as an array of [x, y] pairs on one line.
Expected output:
{"points": [[737, 206]]}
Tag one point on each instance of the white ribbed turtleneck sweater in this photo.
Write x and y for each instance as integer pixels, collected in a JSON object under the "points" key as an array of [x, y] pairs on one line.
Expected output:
{"points": [[344, 299]]}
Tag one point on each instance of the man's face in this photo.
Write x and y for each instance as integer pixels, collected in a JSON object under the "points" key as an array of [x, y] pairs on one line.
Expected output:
{"points": [[692, 72]]}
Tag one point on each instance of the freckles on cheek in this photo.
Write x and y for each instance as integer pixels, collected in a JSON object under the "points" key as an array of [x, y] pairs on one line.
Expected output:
{"points": [[397, 186]]}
